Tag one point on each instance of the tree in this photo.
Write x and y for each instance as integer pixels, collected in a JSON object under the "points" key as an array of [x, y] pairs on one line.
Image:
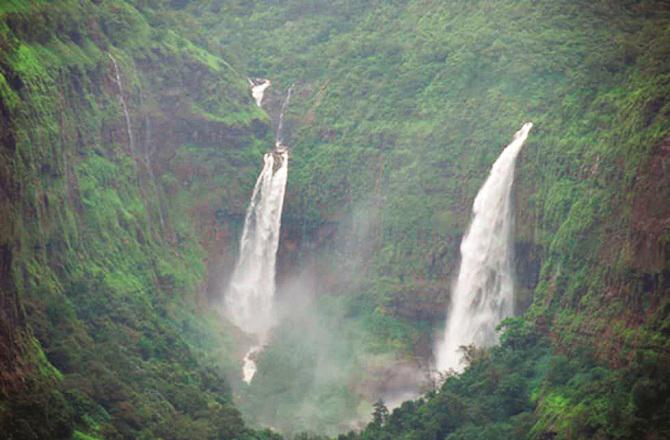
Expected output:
{"points": [[380, 414]]}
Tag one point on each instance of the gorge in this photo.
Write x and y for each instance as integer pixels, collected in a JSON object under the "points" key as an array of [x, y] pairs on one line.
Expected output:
{"points": [[154, 285]]}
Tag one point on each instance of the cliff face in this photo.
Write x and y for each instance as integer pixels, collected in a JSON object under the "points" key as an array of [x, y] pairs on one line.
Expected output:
{"points": [[124, 149], [129, 142], [415, 103], [400, 109]]}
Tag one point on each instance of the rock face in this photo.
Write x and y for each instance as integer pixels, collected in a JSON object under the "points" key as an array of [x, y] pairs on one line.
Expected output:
{"points": [[651, 212], [104, 241], [112, 198]]}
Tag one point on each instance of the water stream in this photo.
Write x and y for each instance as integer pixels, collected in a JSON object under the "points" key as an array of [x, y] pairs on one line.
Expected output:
{"points": [[117, 78], [258, 87], [484, 291], [279, 137], [249, 299], [251, 291]]}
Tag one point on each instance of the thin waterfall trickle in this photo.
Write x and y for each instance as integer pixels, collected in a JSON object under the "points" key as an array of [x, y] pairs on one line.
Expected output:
{"points": [[122, 100], [279, 137], [484, 291]]}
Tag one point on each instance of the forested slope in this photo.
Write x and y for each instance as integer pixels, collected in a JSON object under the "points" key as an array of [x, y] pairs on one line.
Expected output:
{"points": [[119, 141], [114, 225]]}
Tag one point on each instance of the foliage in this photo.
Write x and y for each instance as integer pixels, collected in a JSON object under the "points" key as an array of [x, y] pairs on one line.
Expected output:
{"points": [[399, 110], [404, 106], [107, 262]]}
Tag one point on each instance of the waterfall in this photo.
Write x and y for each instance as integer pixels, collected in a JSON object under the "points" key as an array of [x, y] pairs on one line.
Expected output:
{"points": [[249, 363], [258, 89], [249, 298], [117, 78], [251, 291], [250, 295], [279, 138], [484, 291]]}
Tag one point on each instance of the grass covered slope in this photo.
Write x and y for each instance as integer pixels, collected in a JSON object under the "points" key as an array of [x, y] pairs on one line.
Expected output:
{"points": [[401, 107], [101, 258]]}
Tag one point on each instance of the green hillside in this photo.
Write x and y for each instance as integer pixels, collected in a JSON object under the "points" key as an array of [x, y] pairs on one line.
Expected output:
{"points": [[118, 233]]}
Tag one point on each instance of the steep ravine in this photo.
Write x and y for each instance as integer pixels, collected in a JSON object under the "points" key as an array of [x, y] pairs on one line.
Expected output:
{"points": [[413, 102], [112, 251]]}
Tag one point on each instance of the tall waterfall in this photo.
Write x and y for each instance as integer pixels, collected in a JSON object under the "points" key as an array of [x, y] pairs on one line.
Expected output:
{"points": [[249, 298], [484, 291], [250, 294]]}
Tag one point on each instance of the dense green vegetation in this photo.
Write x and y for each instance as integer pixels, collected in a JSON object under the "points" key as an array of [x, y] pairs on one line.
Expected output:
{"points": [[522, 390], [102, 264], [399, 109]]}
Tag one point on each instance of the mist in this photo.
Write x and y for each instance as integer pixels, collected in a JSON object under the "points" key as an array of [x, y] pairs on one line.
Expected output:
{"points": [[320, 370]]}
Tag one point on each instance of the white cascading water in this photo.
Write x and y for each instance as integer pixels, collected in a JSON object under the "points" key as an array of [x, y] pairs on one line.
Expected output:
{"points": [[129, 130], [279, 138], [484, 291], [249, 299], [251, 291], [258, 89], [250, 295]]}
